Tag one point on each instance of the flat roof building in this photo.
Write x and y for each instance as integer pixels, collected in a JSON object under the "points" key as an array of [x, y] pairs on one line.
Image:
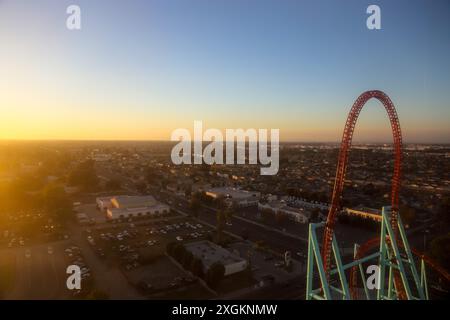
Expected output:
{"points": [[239, 197], [280, 207], [158, 209], [117, 207], [211, 253], [127, 202]]}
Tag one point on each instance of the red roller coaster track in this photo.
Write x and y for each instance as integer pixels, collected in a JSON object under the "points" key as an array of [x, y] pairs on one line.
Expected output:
{"points": [[339, 185], [342, 168]]}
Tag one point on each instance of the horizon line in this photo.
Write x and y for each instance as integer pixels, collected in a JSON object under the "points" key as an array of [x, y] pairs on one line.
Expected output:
{"points": [[176, 141]]}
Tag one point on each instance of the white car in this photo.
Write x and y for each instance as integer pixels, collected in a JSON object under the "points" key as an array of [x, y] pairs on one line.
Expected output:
{"points": [[179, 238]]}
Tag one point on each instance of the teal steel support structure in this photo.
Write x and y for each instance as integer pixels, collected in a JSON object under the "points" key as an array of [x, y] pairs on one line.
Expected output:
{"points": [[390, 258]]}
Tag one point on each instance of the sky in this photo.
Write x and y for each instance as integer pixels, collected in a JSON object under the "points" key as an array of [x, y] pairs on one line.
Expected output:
{"points": [[139, 69]]}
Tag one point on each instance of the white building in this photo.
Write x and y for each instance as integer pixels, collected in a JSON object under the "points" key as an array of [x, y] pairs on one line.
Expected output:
{"points": [[131, 206], [211, 253], [133, 201], [240, 198], [155, 210], [279, 207]]}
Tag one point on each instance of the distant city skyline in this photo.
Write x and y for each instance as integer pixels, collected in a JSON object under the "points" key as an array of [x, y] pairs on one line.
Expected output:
{"points": [[137, 70]]}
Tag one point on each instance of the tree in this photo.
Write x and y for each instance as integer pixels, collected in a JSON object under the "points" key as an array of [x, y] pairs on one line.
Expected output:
{"points": [[57, 202], [220, 217], [314, 215], [179, 252], [440, 250], [170, 248], [197, 267], [187, 259], [188, 191], [244, 234], [229, 211], [220, 202], [141, 187], [152, 175], [407, 214], [215, 274], [84, 176], [195, 204], [13, 197], [112, 185], [443, 213]]}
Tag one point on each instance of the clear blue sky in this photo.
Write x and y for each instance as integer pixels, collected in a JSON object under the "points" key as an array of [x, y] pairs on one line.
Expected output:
{"points": [[140, 69]]}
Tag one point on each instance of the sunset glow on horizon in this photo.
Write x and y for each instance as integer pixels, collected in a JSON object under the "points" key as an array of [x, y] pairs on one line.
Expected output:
{"points": [[218, 62]]}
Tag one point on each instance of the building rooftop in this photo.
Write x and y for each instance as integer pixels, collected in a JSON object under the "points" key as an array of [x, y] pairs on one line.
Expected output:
{"points": [[133, 201], [282, 205], [157, 206], [210, 253], [234, 192]]}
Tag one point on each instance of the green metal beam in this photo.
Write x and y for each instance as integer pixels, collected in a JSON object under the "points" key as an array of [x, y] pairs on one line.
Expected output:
{"points": [[388, 255]]}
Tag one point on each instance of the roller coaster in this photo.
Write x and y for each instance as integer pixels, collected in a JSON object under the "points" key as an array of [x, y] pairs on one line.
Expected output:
{"points": [[398, 275]]}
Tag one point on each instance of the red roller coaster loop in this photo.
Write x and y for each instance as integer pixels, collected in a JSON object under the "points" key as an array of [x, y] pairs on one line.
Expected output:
{"points": [[342, 167]]}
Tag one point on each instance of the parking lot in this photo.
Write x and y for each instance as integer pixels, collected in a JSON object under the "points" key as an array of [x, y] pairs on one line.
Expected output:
{"points": [[139, 246], [74, 256], [35, 272], [92, 213], [134, 244]]}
